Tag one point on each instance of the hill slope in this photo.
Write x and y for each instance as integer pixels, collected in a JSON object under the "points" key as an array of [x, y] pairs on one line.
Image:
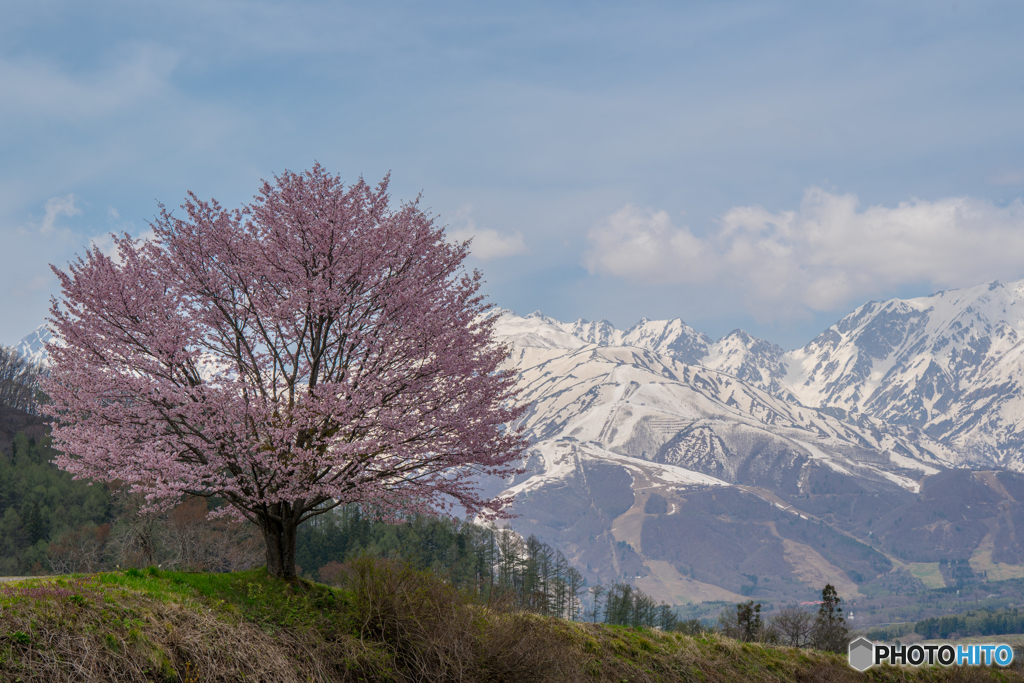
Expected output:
{"points": [[384, 624]]}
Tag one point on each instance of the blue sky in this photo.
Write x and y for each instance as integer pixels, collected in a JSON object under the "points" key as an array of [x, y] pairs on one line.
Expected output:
{"points": [[764, 165]]}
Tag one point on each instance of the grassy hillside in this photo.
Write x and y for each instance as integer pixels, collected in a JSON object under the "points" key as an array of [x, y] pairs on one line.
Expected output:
{"points": [[384, 622]]}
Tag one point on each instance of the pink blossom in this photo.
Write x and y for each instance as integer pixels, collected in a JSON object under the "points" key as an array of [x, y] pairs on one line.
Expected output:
{"points": [[314, 348]]}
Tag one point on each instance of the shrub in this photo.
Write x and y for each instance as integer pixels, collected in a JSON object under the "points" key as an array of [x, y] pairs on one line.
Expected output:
{"points": [[435, 633]]}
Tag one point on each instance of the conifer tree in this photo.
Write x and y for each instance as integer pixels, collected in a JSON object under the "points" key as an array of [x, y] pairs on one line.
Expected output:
{"points": [[829, 631]]}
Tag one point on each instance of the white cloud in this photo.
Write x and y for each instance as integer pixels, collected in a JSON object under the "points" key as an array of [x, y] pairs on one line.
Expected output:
{"points": [[55, 207], [643, 245], [826, 254], [487, 243]]}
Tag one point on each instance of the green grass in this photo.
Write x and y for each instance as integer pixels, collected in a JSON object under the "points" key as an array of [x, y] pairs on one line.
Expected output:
{"points": [[385, 622], [928, 572], [253, 594]]}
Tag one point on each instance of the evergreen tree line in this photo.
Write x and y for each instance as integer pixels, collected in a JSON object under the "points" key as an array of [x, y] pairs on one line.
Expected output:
{"points": [[492, 565], [974, 623], [625, 605]]}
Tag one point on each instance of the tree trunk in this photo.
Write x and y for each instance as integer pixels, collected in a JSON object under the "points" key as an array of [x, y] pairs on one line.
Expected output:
{"points": [[280, 540]]}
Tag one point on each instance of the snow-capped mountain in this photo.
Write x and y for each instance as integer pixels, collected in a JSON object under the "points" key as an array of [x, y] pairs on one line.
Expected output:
{"points": [[672, 338], [620, 430], [633, 401], [949, 364], [739, 354], [752, 360], [663, 455], [32, 348]]}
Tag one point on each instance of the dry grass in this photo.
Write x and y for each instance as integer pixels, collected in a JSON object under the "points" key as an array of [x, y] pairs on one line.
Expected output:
{"points": [[434, 634], [88, 630], [645, 656], [381, 622]]}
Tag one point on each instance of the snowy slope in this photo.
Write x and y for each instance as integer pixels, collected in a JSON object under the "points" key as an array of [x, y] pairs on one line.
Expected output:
{"points": [[949, 364], [32, 346], [672, 338], [949, 367], [635, 402], [752, 360]]}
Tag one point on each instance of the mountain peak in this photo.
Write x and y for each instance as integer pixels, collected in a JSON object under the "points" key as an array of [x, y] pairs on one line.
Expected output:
{"points": [[32, 346], [737, 334], [925, 362]]}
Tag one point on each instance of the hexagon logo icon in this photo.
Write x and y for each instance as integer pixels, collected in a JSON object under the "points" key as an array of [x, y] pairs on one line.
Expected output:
{"points": [[862, 654]]}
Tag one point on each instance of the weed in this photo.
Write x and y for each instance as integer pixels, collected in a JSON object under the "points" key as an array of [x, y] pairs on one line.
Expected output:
{"points": [[191, 675]]}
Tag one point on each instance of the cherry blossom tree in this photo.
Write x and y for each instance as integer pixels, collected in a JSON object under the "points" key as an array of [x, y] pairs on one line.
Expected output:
{"points": [[316, 347]]}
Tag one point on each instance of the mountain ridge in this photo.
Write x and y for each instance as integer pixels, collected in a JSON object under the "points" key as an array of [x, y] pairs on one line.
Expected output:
{"points": [[950, 364]]}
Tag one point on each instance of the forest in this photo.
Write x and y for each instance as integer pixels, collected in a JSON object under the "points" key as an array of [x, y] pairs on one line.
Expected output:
{"points": [[973, 623], [42, 510]]}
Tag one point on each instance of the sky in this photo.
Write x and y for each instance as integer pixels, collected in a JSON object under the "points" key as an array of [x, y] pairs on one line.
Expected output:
{"points": [[762, 165]]}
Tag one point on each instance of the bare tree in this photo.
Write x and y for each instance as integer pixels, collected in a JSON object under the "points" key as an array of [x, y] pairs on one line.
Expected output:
{"points": [[195, 542], [576, 584], [745, 623], [79, 550], [793, 626], [137, 536], [596, 591], [19, 380]]}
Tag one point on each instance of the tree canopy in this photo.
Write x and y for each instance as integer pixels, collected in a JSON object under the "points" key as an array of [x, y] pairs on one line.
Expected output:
{"points": [[313, 348]]}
